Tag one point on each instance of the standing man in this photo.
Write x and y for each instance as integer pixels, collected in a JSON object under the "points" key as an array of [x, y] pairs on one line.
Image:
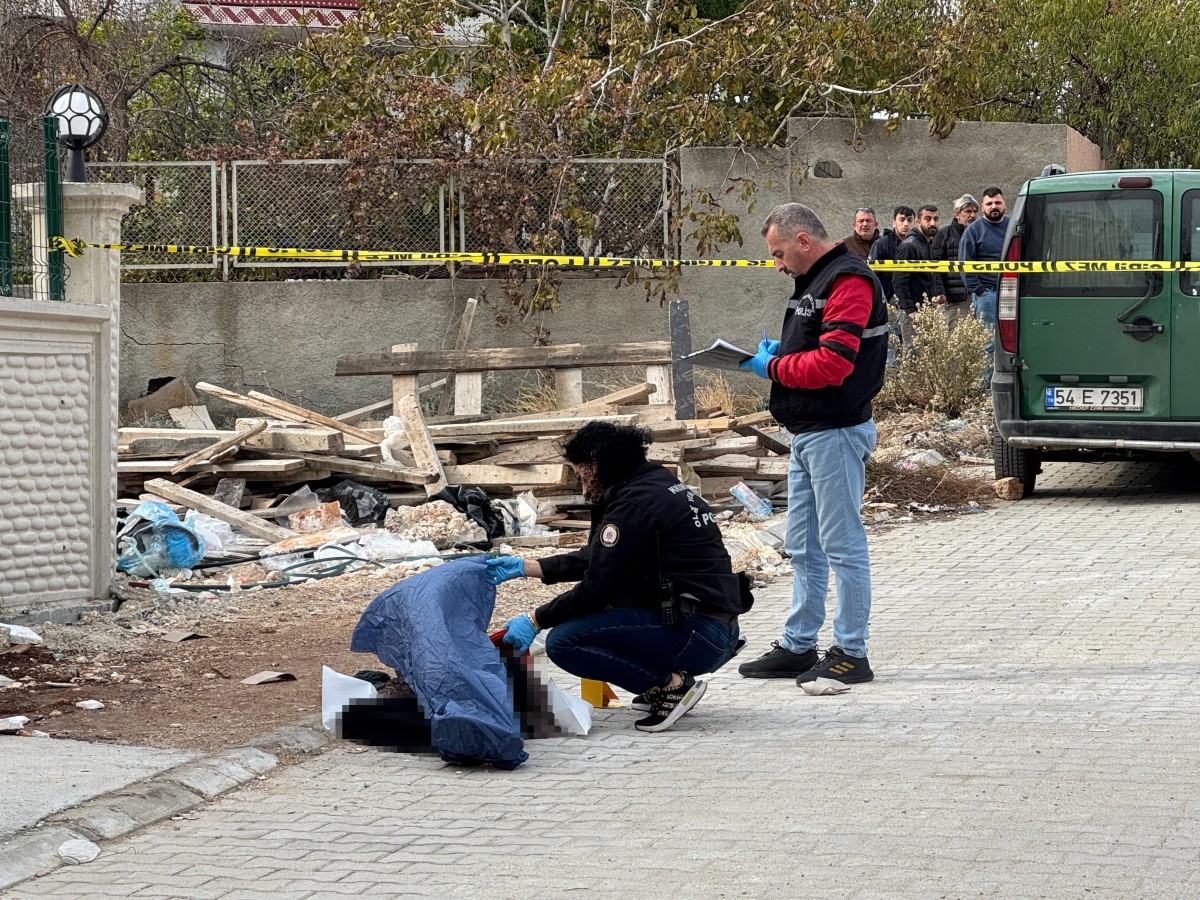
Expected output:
{"points": [[865, 233], [824, 371], [945, 246], [984, 240], [889, 242], [915, 289]]}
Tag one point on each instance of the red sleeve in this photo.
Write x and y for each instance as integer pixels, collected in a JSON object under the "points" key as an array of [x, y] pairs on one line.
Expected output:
{"points": [[846, 313]]}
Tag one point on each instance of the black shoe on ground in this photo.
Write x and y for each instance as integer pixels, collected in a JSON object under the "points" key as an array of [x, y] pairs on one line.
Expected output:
{"points": [[779, 662], [668, 706], [835, 673], [642, 702]]}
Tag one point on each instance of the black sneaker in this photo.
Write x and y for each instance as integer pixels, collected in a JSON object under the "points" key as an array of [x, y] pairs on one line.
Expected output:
{"points": [[835, 673], [642, 702], [668, 706], [779, 662]]}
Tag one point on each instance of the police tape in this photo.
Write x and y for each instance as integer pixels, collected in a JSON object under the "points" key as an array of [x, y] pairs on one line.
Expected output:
{"points": [[77, 246]]}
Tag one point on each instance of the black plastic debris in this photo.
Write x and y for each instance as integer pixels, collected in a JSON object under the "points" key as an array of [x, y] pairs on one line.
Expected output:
{"points": [[474, 504], [360, 504]]}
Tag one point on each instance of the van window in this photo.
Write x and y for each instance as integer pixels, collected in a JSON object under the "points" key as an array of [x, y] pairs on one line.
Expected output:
{"points": [[1106, 225], [1189, 282]]}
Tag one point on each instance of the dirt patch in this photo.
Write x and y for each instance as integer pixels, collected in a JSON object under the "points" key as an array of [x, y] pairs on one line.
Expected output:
{"points": [[188, 694]]}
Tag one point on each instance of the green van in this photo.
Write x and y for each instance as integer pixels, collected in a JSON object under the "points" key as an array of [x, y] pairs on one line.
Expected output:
{"points": [[1100, 364]]}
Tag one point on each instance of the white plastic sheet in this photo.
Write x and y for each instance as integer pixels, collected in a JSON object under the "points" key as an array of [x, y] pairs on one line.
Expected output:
{"points": [[337, 690]]}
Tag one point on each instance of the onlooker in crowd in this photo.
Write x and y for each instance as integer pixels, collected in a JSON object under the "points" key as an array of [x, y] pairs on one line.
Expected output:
{"points": [[915, 289], [984, 240], [945, 246], [888, 243], [824, 370], [865, 233]]}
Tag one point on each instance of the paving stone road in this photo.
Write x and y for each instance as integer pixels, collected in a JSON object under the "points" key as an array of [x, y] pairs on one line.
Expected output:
{"points": [[1031, 732]]}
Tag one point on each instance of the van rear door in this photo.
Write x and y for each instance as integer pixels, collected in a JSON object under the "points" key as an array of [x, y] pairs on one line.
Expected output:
{"points": [[1095, 343], [1185, 323]]}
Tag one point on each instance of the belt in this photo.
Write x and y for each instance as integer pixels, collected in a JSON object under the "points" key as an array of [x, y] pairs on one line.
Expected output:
{"points": [[687, 607]]}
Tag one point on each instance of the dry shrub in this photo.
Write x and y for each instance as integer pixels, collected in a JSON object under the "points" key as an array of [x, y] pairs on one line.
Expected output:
{"points": [[944, 370], [931, 485], [715, 391], [903, 432]]}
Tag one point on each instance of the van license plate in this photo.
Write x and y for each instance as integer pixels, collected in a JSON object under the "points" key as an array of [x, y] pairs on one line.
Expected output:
{"points": [[1100, 399]]}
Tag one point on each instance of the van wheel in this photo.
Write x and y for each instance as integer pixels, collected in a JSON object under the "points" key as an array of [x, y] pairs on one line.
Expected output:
{"points": [[1021, 464]]}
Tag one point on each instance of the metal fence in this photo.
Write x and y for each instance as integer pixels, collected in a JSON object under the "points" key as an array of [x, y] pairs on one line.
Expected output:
{"points": [[30, 210], [184, 204], [583, 206]]}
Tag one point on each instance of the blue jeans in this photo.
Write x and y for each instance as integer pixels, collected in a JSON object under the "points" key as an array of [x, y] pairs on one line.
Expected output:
{"points": [[984, 308], [826, 480], [632, 649]]}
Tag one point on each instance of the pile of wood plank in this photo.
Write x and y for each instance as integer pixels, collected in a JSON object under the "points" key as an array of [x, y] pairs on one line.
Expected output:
{"points": [[281, 446]]}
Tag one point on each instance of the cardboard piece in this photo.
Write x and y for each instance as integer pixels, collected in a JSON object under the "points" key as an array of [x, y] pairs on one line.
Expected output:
{"points": [[268, 677]]}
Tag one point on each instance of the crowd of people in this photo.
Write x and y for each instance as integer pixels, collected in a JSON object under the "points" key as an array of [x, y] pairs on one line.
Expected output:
{"points": [[975, 232]]}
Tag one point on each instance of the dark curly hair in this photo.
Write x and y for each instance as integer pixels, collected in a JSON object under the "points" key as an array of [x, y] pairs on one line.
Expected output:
{"points": [[617, 450]]}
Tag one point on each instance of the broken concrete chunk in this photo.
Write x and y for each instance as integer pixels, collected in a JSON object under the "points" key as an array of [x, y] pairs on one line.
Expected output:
{"points": [[90, 704], [1009, 489], [19, 634], [13, 724], [435, 521]]}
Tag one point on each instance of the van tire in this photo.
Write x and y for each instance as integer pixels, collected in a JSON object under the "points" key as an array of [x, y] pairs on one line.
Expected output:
{"points": [[1012, 462]]}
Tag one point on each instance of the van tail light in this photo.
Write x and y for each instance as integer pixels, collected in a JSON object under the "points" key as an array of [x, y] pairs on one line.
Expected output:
{"points": [[1006, 301]]}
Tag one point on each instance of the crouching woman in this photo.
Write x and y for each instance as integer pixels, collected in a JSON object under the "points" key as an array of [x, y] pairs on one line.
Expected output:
{"points": [[656, 602]]}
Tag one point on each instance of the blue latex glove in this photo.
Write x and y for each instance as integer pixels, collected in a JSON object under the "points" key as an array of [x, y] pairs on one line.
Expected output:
{"points": [[520, 633], [772, 347], [504, 568], [758, 363]]}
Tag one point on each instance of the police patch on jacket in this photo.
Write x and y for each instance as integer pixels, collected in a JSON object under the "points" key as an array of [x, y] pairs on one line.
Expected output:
{"points": [[609, 535]]}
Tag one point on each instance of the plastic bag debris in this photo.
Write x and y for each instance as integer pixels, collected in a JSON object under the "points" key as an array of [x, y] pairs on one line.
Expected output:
{"points": [[153, 542], [360, 504]]}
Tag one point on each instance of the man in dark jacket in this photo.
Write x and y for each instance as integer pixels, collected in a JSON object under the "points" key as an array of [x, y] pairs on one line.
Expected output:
{"points": [[888, 243], [865, 233], [915, 289], [657, 600], [945, 246], [824, 372]]}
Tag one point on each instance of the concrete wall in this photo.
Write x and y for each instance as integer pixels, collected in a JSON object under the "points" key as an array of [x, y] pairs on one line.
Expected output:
{"points": [[284, 337], [58, 420]]}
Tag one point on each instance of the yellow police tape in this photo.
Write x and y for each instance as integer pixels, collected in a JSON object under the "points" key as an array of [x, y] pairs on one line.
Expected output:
{"points": [[77, 246]]}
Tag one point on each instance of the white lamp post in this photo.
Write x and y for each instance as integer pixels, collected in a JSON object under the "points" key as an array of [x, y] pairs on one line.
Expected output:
{"points": [[82, 121]]}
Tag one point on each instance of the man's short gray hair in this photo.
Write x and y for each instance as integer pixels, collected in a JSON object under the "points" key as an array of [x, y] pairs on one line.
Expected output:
{"points": [[791, 218]]}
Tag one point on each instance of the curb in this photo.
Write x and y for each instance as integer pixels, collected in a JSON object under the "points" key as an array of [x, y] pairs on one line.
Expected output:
{"points": [[118, 814]]}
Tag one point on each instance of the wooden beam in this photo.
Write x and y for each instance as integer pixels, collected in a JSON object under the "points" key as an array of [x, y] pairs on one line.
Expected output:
{"points": [[403, 385], [660, 377], [544, 425], [243, 521], [683, 381], [468, 393], [562, 356], [223, 444], [247, 468], [360, 467], [421, 444], [553, 475], [525, 453], [568, 388], [460, 343], [354, 416], [273, 406]]}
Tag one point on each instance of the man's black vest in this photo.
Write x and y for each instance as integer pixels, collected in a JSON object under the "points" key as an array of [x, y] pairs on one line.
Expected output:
{"points": [[849, 403]]}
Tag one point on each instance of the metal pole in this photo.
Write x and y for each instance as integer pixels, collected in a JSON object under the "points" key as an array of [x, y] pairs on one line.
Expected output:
{"points": [[5, 215], [54, 208]]}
